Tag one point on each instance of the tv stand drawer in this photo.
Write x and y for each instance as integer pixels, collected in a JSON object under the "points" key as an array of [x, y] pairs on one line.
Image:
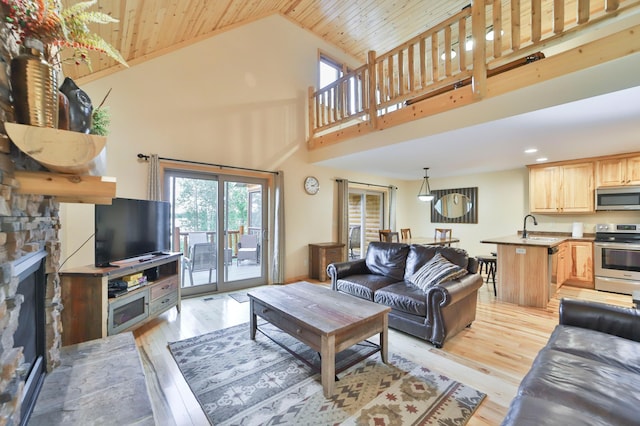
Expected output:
{"points": [[163, 287], [163, 303]]}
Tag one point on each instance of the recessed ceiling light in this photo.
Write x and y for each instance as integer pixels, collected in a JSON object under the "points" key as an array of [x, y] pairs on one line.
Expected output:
{"points": [[541, 159], [530, 150]]}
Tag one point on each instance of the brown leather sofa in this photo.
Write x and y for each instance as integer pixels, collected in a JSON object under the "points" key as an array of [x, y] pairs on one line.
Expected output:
{"points": [[435, 314], [587, 374]]}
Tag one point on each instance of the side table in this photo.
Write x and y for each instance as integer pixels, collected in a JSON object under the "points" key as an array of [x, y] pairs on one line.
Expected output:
{"points": [[321, 255]]}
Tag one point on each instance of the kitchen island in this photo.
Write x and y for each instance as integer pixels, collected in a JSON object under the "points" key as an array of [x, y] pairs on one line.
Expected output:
{"points": [[524, 268]]}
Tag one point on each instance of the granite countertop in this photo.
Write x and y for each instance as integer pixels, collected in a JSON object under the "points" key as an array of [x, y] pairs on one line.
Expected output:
{"points": [[536, 239]]}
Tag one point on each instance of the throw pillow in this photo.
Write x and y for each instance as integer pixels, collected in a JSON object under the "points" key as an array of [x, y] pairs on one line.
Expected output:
{"points": [[436, 271]]}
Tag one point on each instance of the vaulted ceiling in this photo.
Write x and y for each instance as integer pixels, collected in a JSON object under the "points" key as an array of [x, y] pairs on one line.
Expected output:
{"points": [[149, 28]]}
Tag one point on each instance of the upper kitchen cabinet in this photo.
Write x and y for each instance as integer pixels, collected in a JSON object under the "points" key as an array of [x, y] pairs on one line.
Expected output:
{"points": [[561, 188], [618, 171]]}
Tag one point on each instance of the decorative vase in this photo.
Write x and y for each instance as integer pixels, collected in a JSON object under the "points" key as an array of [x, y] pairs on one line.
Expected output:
{"points": [[34, 87], [80, 108]]}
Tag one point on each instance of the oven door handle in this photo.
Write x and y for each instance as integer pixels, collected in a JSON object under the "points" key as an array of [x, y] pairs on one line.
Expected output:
{"points": [[621, 246]]}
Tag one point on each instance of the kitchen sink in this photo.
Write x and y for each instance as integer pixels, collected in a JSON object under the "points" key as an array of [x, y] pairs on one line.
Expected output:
{"points": [[541, 239]]}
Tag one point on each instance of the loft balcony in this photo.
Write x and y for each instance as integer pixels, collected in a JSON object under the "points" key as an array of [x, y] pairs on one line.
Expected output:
{"points": [[487, 49]]}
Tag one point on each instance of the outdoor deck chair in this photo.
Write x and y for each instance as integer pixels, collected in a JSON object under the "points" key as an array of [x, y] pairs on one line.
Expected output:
{"points": [[202, 257], [248, 248], [354, 240]]}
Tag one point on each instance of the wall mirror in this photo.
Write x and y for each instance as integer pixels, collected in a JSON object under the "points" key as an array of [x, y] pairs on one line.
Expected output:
{"points": [[457, 205]]}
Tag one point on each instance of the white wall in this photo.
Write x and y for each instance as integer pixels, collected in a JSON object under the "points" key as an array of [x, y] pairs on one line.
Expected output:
{"points": [[238, 99]]}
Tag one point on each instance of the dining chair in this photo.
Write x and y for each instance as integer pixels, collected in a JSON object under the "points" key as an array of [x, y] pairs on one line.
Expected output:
{"points": [[388, 236], [443, 234], [405, 233]]}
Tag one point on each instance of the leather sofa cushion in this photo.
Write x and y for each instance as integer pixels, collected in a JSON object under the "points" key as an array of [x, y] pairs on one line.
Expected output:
{"points": [[363, 286], [584, 384], [601, 347], [534, 411], [403, 296], [388, 259], [419, 255]]}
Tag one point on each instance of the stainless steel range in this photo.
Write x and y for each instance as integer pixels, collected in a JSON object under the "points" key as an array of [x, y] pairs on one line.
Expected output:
{"points": [[617, 258]]}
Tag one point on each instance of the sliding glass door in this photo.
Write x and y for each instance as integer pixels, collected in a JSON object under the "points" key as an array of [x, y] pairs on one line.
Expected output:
{"points": [[219, 226], [366, 218]]}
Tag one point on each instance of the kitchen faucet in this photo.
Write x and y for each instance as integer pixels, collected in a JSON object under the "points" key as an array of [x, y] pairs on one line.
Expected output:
{"points": [[524, 226]]}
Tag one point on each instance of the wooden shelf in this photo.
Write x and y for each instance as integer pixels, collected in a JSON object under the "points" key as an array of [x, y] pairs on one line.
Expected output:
{"points": [[76, 160], [61, 150], [68, 188]]}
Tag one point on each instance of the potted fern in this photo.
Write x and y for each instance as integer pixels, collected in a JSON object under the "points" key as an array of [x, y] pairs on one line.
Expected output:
{"points": [[44, 29]]}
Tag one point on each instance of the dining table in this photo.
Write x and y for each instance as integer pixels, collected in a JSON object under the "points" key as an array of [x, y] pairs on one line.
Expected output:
{"points": [[430, 241]]}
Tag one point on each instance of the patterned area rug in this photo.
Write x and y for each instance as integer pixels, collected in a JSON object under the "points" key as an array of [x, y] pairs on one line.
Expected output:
{"points": [[239, 381]]}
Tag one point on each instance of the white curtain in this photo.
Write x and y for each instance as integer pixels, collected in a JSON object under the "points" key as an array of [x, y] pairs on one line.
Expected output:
{"points": [[154, 190], [343, 214], [277, 262]]}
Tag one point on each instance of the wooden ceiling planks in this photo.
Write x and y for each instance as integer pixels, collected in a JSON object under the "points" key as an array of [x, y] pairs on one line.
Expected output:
{"points": [[149, 28]]}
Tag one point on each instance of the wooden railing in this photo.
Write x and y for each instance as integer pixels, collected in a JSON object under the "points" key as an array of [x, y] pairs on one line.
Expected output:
{"points": [[181, 239], [342, 101], [436, 58], [463, 50]]}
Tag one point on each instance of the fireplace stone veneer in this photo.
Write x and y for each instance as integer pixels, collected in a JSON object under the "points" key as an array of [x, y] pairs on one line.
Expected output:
{"points": [[32, 227]]}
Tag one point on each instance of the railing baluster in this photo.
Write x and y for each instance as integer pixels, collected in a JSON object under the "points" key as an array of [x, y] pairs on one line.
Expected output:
{"points": [[497, 28], [583, 11], [462, 45], [380, 80], [423, 64], [392, 81], [400, 73], [411, 86], [447, 51], [515, 25], [611, 5], [558, 16], [434, 57], [536, 20]]}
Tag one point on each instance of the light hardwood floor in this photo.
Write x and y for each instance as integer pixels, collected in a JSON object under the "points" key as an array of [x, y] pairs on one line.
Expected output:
{"points": [[493, 355]]}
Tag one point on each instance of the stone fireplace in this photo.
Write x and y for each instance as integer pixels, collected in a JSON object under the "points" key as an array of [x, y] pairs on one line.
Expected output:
{"points": [[30, 328]]}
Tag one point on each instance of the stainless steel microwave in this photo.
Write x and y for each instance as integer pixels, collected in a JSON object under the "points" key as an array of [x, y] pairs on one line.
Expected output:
{"points": [[618, 198]]}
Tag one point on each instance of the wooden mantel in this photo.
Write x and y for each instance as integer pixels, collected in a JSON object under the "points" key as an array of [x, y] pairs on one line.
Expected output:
{"points": [[68, 188], [75, 159]]}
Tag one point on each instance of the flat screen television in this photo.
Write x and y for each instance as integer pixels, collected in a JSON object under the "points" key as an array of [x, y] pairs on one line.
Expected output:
{"points": [[130, 228]]}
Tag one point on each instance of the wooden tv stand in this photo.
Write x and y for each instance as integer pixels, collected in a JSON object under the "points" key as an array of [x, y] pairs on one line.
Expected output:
{"points": [[90, 314]]}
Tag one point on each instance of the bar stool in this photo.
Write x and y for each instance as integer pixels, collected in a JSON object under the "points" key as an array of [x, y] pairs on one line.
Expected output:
{"points": [[489, 262]]}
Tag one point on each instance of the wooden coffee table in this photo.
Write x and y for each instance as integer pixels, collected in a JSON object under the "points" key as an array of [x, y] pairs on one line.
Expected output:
{"points": [[325, 320]]}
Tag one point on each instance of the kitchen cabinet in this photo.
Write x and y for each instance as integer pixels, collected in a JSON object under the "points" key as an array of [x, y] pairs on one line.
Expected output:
{"points": [[618, 171], [563, 267], [581, 260], [564, 188]]}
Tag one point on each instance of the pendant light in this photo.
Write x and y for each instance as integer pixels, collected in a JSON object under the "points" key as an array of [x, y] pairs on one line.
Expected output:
{"points": [[425, 191]]}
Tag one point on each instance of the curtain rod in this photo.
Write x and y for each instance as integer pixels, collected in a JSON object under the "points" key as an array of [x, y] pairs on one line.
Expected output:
{"points": [[368, 184], [146, 157]]}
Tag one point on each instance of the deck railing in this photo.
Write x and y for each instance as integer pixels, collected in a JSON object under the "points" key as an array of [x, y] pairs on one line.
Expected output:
{"points": [[462, 50]]}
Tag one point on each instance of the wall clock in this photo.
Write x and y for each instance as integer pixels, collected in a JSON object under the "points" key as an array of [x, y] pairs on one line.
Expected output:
{"points": [[311, 185]]}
